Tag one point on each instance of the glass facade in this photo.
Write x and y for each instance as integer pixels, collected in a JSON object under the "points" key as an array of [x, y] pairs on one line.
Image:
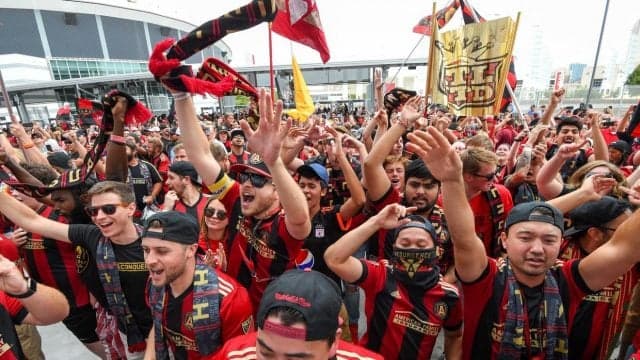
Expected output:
{"points": [[63, 69]]}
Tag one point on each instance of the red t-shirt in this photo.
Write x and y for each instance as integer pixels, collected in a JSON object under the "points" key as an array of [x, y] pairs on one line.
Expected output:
{"points": [[236, 318], [600, 316], [483, 217], [255, 256], [244, 348], [479, 296], [400, 324]]}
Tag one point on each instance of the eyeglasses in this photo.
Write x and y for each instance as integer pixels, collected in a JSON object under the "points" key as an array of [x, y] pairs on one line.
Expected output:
{"points": [[607, 175], [487, 177], [258, 181], [218, 213], [108, 209]]}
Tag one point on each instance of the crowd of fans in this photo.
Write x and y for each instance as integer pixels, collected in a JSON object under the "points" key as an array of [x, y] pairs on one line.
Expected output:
{"points": [[202, 237]]}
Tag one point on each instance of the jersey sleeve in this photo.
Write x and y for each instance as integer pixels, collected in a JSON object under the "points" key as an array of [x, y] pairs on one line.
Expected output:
{"points": [[373, 276], [236, 312], [14, 307], [455, 312]]}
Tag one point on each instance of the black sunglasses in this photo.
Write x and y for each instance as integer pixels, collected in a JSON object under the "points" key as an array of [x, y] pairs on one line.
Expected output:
{"points": [[258, 181], [218, 213], [487, 177], [108, 209]]}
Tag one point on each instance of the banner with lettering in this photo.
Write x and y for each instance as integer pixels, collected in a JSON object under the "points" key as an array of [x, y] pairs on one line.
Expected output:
{"points": [[470, 66]]}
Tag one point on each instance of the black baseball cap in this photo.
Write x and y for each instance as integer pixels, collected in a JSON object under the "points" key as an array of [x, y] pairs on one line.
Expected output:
{"points": [[185, 168], [595, 214], [176, 226], [59, 159], [621, 146], [419, 222], [236, 132], [535, 211], [254, 164], [311, 293]]}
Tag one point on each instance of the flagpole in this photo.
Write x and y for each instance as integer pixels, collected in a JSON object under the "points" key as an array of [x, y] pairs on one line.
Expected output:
{"points": [[271, 84], [434, 24], [7, 100], [595, 62]]}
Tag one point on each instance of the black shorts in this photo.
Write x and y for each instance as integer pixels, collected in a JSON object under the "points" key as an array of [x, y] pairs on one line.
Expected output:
{"points": [[82, 323]]}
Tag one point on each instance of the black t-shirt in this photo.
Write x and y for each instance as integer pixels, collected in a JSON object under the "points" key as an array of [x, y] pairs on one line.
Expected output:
{"points": [[141, 184], [325, 230], [11, 312], [132, 270]]}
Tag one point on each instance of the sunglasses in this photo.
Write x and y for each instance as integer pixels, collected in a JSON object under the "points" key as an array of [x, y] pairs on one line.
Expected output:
{"points": [[487, 177], [218, 213], [258, 181], [108, 209]]}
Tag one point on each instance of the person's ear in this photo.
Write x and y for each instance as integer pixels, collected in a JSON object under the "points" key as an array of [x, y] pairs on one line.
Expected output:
{"points": [[503, 239]]}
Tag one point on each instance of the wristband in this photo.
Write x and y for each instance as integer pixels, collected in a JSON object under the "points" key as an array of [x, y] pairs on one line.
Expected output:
{"points": [[28, 145], [117, 139], [31, 289], [181, 96]]}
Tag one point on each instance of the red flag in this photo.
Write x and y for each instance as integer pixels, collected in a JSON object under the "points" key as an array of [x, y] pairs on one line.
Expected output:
{"points": [[442, 17], [300, 21]]}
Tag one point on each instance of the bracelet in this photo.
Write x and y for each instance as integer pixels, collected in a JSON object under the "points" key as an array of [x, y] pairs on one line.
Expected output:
{"points": [[181, 96], [31, 289], [28, 145], [117, 139]]}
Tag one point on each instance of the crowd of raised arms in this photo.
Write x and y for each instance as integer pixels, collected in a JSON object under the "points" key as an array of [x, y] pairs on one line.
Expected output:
{"points": [[400, 233]]}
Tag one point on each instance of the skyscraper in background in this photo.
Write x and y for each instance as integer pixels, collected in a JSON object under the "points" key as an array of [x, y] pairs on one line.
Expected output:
{"points": [[632, 60]]}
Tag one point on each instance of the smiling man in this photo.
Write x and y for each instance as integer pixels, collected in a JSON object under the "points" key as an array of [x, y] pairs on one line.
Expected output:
{"points": [[196, 308], [114, 262], [524, 304], [269, 218]]}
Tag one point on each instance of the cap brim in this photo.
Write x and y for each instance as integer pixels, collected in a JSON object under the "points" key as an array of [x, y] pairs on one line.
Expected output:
{"points": [[240, 168], [573, 231]]}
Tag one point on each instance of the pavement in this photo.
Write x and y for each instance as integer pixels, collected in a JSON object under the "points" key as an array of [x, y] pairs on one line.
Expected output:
{"points": [[58, 343]]}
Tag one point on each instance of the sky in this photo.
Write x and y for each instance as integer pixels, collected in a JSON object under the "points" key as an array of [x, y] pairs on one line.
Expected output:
{"points": [[382, 29]]}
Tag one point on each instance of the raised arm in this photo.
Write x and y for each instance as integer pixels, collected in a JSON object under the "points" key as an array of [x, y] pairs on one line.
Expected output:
{"points": [[554, 101], [339, 255], [615, 257], [46, 305], [198, 146], [31, 153], [267, 142], [116, 163], [445, 164], [377, 181], [549, 186], [354, 204], [600, 150], [30, 221]]}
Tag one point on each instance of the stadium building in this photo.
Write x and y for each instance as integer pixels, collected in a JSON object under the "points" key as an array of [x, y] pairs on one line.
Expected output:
{"points": [[83, 48]]}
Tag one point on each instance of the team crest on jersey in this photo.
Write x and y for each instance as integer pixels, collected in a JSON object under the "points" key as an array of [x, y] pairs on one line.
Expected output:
{"points": [[255, 159], [188, 320], [82, 259], [246, 325], [441, 309]]}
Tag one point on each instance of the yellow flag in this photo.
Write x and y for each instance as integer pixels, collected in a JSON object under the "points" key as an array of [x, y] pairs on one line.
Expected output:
{"points": [[469, 66], [304, 103]]}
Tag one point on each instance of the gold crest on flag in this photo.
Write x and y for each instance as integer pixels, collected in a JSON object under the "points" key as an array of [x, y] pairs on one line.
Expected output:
{"points": [[469, 66]]}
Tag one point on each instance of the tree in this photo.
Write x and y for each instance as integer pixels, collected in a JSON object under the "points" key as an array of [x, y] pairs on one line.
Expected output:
{"points": [[634, 77]]}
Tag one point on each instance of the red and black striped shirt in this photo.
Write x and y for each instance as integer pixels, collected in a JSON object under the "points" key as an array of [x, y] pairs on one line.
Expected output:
{"points": [[53, 263], [404, 322], [257, 252]]}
